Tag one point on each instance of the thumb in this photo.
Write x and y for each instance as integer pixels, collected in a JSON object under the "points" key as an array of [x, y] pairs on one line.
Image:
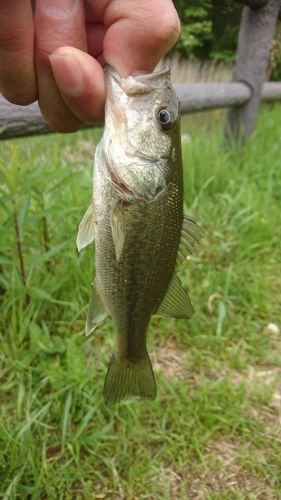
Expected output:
{"points": [[80, 80]]}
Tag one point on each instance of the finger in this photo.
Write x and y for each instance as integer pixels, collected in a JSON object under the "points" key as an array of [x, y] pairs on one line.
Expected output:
{"points": [[138, 34], [57, 23], [80, 80], [17, 74], [95, 37]]}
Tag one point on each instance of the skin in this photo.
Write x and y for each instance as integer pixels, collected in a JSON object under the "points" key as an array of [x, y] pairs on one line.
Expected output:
{"points": [[54, 51]]}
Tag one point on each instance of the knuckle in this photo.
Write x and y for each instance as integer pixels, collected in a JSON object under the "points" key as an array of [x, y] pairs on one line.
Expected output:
{"points": [[157, 21], [167, 28], [46, 44]]}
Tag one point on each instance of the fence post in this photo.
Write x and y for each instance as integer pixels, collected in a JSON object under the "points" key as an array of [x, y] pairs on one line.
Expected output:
{"points": [[254, 43]]}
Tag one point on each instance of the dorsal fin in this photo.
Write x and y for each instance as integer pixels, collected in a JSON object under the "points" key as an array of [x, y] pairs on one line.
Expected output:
{"points": [[190, 238]]}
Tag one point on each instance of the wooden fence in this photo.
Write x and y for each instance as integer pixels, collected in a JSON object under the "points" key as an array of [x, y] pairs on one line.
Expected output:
{"points": [[242, 96]]}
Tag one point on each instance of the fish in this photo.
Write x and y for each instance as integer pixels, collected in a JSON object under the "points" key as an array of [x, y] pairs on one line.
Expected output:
{"points": [[137, 221]]}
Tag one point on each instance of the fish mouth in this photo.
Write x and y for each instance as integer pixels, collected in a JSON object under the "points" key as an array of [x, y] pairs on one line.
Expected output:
{"points": [[138, 74], [146, 77], [140, 82]]}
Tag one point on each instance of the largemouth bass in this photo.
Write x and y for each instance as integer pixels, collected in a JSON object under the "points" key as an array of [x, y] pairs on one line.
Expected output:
{"points": [[136, 219]]}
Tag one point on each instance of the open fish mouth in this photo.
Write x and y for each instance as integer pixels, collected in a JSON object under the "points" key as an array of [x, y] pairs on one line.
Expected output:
{"points": [[145, 77], [141, 83]]}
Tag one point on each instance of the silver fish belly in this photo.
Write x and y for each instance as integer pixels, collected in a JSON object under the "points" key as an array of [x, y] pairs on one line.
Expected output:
{"points": [[136, 219]]}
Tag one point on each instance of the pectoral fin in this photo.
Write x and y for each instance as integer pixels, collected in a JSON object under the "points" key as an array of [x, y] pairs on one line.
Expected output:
{"points": [[96, 312], [176, 302], [86, 231], [117, 222]]}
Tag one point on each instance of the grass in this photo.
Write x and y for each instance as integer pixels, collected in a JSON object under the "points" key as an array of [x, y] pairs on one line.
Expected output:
{"points": [[214, 430]]}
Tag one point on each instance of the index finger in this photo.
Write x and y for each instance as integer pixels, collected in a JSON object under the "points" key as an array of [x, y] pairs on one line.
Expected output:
{"points": [[17, 73]]}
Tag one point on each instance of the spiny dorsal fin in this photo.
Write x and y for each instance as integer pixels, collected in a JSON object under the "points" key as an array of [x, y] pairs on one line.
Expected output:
{"points": [[117, 222], [176, 302], [86, 230], [190, 238], [96, 312]]}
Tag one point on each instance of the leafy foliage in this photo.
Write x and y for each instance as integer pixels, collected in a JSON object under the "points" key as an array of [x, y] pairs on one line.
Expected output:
{"points": [[209, 29], [196, 26]]}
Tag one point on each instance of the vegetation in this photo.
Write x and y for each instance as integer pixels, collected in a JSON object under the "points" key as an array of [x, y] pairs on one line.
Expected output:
{"points": [[214, 430], [210, 32], [209, 29]]}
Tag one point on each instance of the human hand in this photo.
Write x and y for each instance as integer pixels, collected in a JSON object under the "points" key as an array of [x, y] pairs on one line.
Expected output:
{"points": [[54, 50]]}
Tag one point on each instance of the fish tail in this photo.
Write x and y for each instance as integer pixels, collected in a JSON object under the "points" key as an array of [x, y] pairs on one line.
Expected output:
{"points": [[125, 378]]}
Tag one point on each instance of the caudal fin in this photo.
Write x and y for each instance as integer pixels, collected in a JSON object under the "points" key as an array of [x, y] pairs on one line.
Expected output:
{"points": [[125, 378]]}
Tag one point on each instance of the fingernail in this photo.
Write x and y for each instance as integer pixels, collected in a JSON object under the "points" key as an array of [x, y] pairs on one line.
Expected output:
{"points": [[57, 8], [67, 72]]}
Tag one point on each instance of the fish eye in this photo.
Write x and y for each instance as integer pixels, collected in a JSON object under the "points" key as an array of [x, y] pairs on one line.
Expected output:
{"points": [[166, 119]]}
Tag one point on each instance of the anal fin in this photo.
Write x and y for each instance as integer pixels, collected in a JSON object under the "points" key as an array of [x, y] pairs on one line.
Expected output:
{"points": [[176, 302]]}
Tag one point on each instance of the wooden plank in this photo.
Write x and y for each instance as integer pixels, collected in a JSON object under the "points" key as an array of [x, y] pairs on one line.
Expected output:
{"points": [[20, 121], [255, 36]]}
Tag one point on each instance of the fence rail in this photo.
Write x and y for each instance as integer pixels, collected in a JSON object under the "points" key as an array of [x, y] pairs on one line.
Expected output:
{"points": [[19, 121], [203, 96]]}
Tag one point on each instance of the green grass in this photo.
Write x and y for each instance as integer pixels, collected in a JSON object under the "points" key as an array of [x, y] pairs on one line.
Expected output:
{"points": [[214, 430]]}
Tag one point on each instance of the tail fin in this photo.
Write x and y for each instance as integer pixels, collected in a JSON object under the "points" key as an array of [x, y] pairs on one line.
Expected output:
{"points": [[126, 378]]}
